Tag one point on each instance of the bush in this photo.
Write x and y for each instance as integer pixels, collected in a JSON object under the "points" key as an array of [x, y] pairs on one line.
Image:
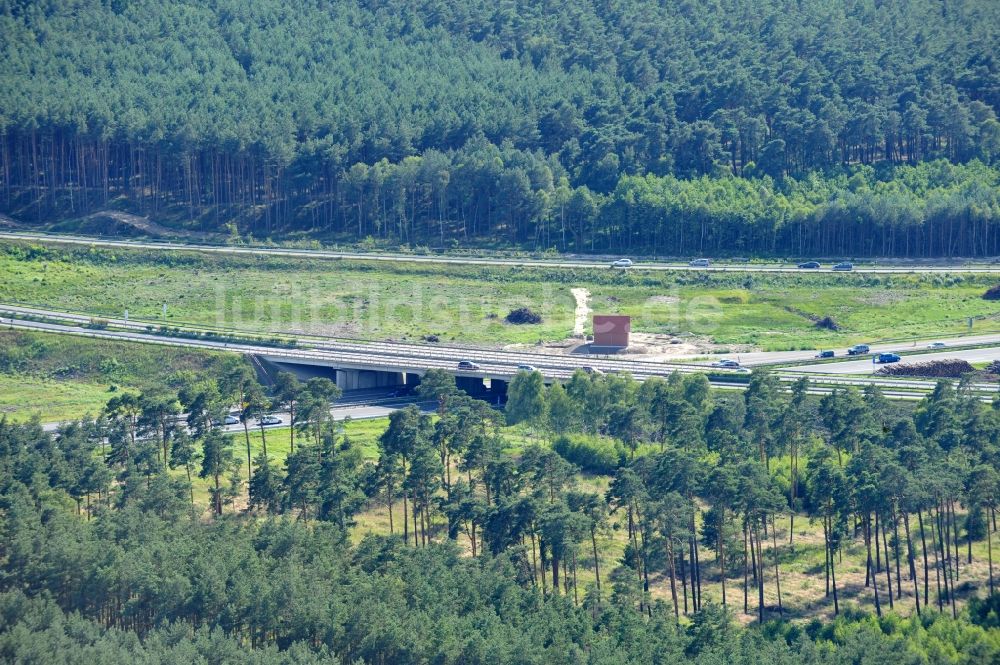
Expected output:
{"points": [[827, 323], [591, 453], [523, 315], [993, 293]]}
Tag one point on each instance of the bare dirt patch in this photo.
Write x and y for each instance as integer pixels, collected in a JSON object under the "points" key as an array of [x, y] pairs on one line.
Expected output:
{"points": [[582, 310], [881, 298]]}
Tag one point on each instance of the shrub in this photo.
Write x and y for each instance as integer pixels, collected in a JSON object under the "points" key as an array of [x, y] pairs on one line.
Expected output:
{"points": [[591, 454], [523, 315], [827, 323], [993, 293]]}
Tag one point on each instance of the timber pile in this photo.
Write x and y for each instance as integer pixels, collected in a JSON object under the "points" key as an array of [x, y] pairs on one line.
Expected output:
{"points": [[944, 369]]}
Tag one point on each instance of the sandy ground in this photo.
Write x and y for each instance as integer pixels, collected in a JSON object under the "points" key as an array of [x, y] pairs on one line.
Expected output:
{"points": [[582, 310], [645, 346]]}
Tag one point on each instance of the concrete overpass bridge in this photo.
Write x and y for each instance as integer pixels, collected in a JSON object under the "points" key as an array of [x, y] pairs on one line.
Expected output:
{"points": [[354, 365], [358, 365]]}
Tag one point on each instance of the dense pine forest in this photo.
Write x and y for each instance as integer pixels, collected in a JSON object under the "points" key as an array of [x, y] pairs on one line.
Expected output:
{"points": [[854, 127], [491, 554]]}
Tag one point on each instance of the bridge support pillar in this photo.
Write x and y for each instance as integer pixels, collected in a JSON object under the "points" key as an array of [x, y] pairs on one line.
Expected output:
{"points": [[470, 384], [412, 379], [361, 379], [498, 387]]}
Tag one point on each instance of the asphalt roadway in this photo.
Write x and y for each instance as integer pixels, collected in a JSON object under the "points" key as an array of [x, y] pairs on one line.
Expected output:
{"points": [[868, 366], [392, 356], [900, 267], [972, 355]]}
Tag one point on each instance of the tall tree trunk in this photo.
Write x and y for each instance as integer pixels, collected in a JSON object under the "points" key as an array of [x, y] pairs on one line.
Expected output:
{"points": [[895, 552], [684, 587], [923, 552], [833, 567], [722, 553], [871, 565], [777, 576], [388, 489], [760, 573], [937, 561], [826, 553], [673, 579], [246, 432], [989, 554], [746, 571], [555, 573], [911, 562], [597, 563], [888, 573]]}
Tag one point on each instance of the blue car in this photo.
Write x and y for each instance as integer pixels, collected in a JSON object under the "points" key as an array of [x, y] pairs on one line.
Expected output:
{"points": [[884, 358]]}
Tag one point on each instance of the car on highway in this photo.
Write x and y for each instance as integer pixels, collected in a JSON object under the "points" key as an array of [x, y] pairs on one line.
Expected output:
{"points": [[936, 345], [591, 370], [884, 358], [700, 263], [270, 420], [468, 364], [527, 368], [809, 265], [726, 364], [844, 266], [622, 263], [231, 420], [858, 350], [825, 354]]}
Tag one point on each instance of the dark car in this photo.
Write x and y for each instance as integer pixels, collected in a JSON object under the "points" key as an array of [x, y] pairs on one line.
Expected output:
{"points": [[883, 358], [825, 354], [809, 265]]}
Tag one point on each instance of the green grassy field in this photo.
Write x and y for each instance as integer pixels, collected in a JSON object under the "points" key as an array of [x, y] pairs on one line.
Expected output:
{"points": [[468, 303], [58, 377]]}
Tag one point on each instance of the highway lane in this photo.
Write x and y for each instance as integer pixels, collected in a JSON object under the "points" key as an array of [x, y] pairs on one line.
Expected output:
{"points": [[511, 359], [390, 354], [866, 366], [364, 357], [909, 389], [405, 357], [991, 268], [777, 357]]}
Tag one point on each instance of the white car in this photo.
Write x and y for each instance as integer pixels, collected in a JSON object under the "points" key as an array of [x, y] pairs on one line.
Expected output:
{"points": [[270, 420], [231, 420], [936, 345], [699, 263], [622, 263], [728, 364]]}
